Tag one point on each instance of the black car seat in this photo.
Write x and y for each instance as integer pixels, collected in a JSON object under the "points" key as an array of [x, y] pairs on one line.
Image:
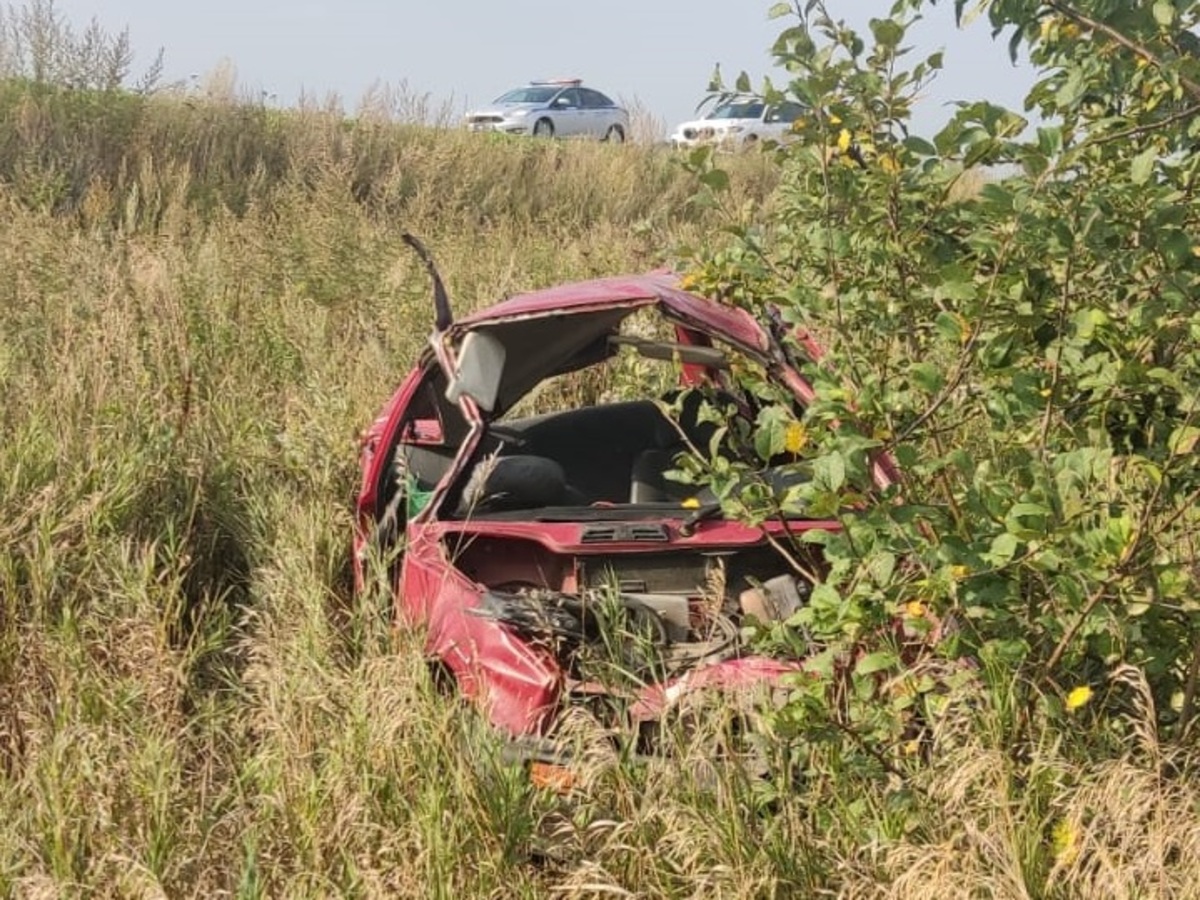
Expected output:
{"points": [[520, 481], [676, 435]]}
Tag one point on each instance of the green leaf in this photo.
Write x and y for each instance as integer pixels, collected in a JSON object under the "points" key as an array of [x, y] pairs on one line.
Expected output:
{"points": [[699, 158], [1183, 440], [821, 664], [1050, 139], [716, 179], [1027, 520], [1072, 89], [955, 290], [1143, 166], [743, 83], [920, 146], [1004, 548], [779, 10], [950, 327], [715, 82], [882, 566], [770, 433], [1176, 247], [1166, 376], [1164, 13], [997, 350], [1007, 652], [876, 662], [928, 377], [825, 596], [888, 32], [1087, 321], [1025, 510], [830, 470]]}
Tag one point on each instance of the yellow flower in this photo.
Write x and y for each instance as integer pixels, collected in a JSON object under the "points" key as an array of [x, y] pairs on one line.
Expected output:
{"points": [[1079, 696], [843, 141], [888, 163], [915, 608], [690, 503], [687, 282], [1064, 841], [958, 573], [835, 119], [795, 438]]}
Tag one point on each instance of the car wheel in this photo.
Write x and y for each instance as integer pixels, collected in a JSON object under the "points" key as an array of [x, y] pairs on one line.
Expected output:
{"points": [[615, 134], [543, 128]]}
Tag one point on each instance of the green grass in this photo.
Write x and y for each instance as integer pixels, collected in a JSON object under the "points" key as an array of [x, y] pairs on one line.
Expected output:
{"points": [[200, 309]]}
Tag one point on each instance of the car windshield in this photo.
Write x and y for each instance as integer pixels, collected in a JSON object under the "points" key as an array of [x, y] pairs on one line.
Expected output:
{"points": [[529, 95], [738, 111]]}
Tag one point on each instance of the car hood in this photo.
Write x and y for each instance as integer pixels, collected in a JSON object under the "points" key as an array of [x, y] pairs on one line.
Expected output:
{"points": [[564, 328]]}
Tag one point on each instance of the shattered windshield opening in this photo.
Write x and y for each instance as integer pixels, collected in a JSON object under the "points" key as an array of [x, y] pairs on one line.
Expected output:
{"points": [[624, 438]]}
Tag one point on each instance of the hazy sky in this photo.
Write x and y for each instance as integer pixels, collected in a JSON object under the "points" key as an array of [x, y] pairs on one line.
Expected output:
{"points": [[466, 52]]}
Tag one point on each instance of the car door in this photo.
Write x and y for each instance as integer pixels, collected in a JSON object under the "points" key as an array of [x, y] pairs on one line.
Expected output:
{"points": [[779, 119], [568, 114], [404, 455], [598, 112]]}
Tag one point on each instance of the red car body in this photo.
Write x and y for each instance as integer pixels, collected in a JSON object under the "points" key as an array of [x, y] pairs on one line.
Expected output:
{"points": [[466, 573]]}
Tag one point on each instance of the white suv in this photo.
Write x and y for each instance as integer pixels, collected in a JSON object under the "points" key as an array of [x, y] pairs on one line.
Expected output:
{"points": [[739, 123]]}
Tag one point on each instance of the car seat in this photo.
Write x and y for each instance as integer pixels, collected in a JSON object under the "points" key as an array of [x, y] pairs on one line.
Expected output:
{"points": [[521, 481]]}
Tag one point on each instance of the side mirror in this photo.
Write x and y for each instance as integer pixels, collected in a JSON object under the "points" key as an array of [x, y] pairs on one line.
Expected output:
{"points": [[478, 371]]}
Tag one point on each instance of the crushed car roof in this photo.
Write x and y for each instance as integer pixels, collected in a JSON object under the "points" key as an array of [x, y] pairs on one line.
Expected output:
{"points": [[568, 327], [662, 288]]}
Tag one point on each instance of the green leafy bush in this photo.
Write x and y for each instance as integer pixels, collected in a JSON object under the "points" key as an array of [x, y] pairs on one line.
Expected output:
{"points": [[1009, 312]]}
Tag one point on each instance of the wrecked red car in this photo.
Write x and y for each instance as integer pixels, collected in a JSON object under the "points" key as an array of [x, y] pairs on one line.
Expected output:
{"points": [[529, 546]]}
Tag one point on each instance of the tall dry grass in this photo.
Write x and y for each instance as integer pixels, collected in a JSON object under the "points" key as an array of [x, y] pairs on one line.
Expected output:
{"points": [[200, 308]]}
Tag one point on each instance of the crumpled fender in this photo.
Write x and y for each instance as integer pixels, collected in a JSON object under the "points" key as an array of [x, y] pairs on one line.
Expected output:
{"points": [[515, 684]]}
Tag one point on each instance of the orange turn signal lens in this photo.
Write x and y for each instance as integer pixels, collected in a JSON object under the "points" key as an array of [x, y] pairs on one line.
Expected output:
{"points": [[555, 778]]}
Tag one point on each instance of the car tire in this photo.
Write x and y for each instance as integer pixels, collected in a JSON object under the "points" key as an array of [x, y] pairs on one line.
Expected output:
{"points": [[614, 135], [543, 128]]}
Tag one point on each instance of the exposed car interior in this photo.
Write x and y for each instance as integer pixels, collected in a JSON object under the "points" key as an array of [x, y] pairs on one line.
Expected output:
{"points": [[617, 453], [598, 457], [597, 462]]}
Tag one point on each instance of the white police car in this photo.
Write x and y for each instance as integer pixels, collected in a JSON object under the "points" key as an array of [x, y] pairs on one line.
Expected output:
{"points": [[560, 107]]}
